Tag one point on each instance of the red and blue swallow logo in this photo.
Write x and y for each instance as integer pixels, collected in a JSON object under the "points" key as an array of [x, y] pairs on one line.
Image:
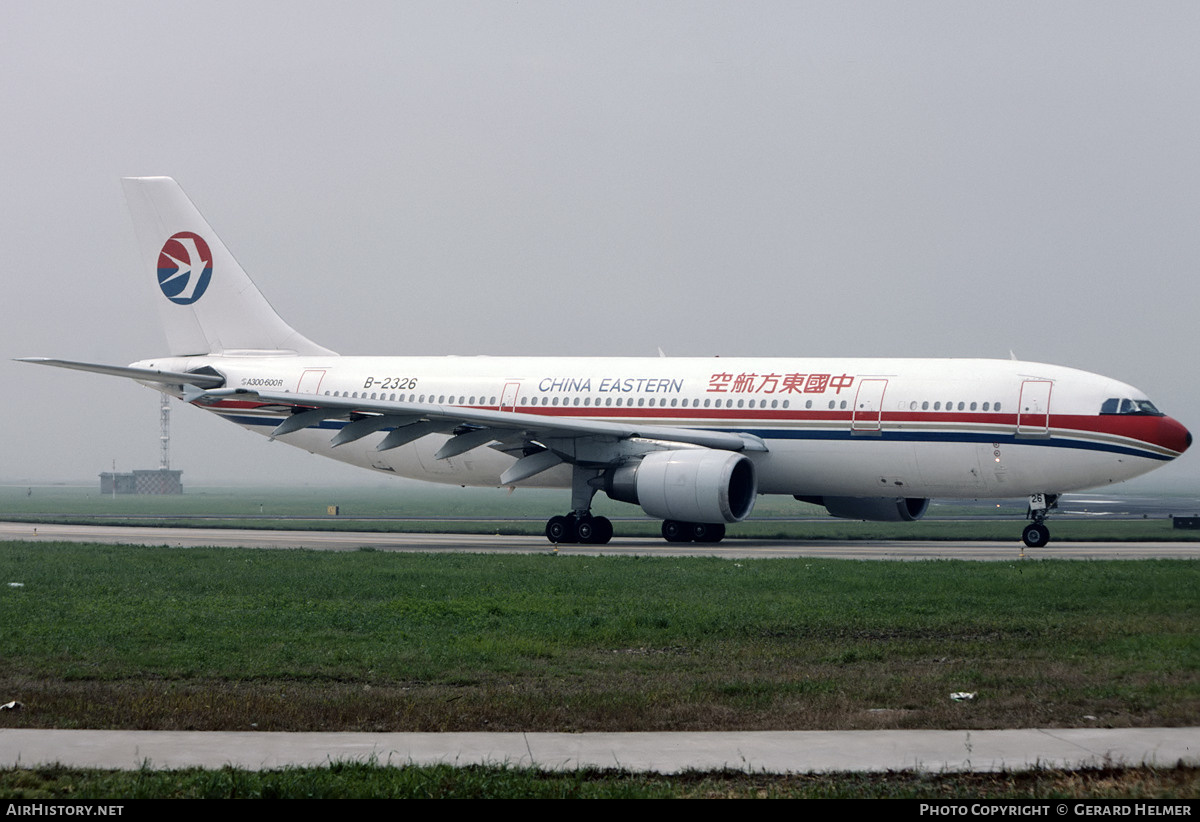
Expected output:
{"points": [[184, 267]]}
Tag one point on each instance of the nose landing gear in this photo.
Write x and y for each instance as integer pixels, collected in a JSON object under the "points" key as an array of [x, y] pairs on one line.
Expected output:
{"points": [[1036, 534]]}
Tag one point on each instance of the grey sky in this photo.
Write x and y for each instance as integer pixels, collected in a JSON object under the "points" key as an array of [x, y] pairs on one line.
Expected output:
{"points": [[899, 179]]}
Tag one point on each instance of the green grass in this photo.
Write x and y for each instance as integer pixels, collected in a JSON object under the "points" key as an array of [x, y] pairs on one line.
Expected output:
{"points": [[112, 636]]}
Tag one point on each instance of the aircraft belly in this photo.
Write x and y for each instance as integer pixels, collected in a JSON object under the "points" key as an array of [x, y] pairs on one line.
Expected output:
{"points": [[949, 470], [1021, 469], [872, 467]]}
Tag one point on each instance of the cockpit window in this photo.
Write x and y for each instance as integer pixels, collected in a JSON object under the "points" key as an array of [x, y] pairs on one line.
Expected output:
{"points": [[1117, 405]]}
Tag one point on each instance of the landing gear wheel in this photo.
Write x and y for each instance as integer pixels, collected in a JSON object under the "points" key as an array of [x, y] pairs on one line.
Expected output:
{"points": [[707, 531], [562, 529], [594, 530], [602, 530], [676, 531], [1035, 535], [585, 530]]}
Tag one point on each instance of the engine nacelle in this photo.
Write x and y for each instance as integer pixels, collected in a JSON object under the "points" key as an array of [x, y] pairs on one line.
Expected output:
{"points": [[874, 509], [689, 485]]}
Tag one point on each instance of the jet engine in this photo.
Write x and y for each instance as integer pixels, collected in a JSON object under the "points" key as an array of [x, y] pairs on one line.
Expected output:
{"points": [[874, 509], [690, 485]]}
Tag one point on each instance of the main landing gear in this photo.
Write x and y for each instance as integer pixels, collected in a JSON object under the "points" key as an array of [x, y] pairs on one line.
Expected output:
{"points": [[675, 531], [591, 530], [1036, 534], [580, 526], [585, 529]]}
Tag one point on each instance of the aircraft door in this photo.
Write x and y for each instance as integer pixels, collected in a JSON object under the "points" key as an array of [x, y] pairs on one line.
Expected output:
{"points": [[310, 381], [508, 401], [1033, 411], [868, 407]]}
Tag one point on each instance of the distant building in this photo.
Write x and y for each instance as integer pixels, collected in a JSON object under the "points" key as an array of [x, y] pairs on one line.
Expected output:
{"points": [[162, 481]]}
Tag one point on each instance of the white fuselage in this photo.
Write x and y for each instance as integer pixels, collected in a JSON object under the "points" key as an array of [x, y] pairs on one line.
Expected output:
{"points": [[831, 427]]}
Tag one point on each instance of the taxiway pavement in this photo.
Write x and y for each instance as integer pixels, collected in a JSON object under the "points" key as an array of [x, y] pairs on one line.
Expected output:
{"points": [[641, 546], [755, 752]]}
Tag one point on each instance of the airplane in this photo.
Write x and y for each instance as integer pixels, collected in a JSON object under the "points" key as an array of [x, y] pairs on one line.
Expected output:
{"points": [[691, 441]]}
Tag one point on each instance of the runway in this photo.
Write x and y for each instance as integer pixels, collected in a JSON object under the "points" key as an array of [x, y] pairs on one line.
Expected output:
{"points": [[993, 551]]}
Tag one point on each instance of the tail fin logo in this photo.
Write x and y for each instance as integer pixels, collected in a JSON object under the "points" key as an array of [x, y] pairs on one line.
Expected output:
{"points": [[184, 268]]}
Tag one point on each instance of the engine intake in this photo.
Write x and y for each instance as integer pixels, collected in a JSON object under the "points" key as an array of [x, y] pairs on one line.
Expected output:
{"points": [[691, 485]]}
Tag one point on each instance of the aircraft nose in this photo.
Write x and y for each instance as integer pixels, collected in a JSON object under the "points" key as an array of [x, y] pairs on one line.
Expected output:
{"points": [[1173, 435]]}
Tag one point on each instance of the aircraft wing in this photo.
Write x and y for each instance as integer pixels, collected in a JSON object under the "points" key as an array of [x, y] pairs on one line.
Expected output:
{"points": [[554, 439], [143, 374]]}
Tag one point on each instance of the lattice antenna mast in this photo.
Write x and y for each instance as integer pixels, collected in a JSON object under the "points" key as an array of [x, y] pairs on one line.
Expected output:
{"points": [[164, 448]]}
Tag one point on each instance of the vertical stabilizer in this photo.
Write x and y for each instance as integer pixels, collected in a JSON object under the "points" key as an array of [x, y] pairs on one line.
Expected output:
{"points": [[207, 302]]}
